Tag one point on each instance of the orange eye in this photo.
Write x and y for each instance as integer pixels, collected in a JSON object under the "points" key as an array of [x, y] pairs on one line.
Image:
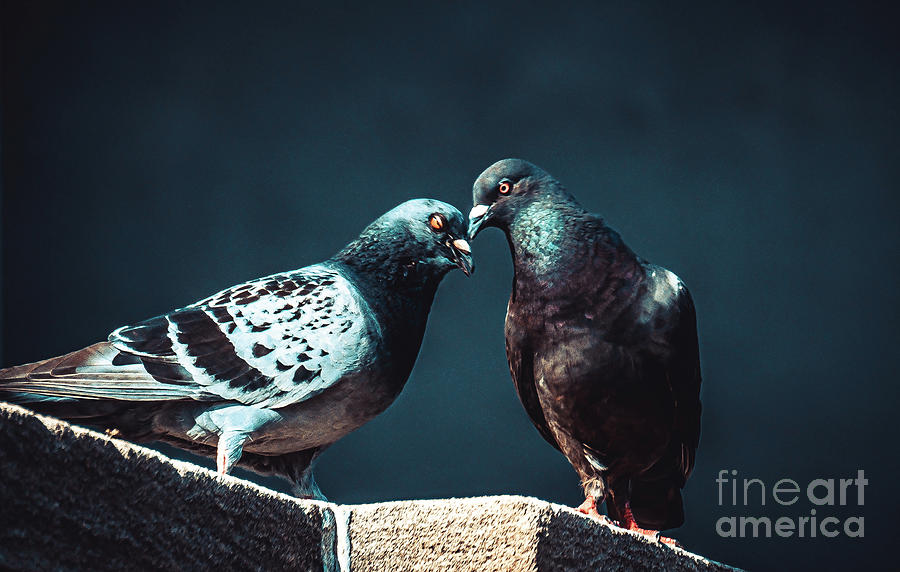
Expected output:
{"points": [[437, 222], [504, 187]]}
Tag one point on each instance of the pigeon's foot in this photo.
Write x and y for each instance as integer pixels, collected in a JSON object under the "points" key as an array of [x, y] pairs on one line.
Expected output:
{"points": [[222, 461], [228, 450], [631, 524], [589, 507]]}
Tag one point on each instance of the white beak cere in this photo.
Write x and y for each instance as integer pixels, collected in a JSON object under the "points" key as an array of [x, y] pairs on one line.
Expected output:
{"points": [[478, 211], [462, 246]]}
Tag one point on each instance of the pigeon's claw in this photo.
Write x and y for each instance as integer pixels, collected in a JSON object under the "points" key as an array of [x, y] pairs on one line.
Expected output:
{"points": [[631, 524], [669, 541], [221, 462], [589, 507], [229, 449]]}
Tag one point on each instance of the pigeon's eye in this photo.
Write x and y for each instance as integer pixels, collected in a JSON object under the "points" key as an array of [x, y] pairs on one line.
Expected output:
{"points": [[504, 187], [437, 222]]}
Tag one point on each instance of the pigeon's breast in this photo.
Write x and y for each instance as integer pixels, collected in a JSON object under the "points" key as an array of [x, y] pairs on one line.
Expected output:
{"points": [[321, 421]]}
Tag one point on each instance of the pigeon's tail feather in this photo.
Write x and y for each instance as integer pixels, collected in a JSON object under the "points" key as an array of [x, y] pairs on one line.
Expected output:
{"points": [[97, 386], [655, 494], [133, 419], [656, 505], [30, 398], [97, 372]]}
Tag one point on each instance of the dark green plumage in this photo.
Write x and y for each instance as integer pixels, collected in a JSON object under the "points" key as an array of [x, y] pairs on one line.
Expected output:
{"points": [[602, 345]]}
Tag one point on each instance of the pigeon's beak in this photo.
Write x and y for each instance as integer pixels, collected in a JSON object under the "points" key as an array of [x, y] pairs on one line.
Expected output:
{"points": [[477, 217], [462, 255]]}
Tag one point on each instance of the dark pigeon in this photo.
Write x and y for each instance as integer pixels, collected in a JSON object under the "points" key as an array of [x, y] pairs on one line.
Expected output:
{"points": [[270, 372], [602, 347]]}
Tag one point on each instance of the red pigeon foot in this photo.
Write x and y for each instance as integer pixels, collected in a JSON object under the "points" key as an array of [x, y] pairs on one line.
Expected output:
{"points": [[631, 524], [589, 507]]}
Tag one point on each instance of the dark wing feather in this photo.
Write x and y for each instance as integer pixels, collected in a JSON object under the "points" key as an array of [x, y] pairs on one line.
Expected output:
{"points": [[655, 494], [684, 378], [670, 307]]}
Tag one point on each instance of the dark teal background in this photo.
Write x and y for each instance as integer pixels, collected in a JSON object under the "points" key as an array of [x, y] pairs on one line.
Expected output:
{"points": [[156, 152]]}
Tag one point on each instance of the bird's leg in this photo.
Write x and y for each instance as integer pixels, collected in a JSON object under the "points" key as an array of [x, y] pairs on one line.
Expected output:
{"points": [[593, 489], [307, 488], [228, 451], [589, 507], [592, 472], [628, 523], [296, 467], [300, 472]]}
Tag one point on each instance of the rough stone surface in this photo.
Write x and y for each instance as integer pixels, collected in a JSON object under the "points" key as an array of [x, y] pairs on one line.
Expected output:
{"points": [[493, 533], [568, 540], [502, 533], [73, 499]]}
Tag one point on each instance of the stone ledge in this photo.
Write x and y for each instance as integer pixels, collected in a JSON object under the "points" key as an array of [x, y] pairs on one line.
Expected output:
{"points": [[75, 499], [501, 533]]}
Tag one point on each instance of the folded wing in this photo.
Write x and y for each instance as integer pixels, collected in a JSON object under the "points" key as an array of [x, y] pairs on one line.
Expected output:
{"points": [[270, 342]]}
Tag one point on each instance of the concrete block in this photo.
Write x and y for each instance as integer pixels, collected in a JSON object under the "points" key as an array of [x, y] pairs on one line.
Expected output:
{"points": [[75, 499]]}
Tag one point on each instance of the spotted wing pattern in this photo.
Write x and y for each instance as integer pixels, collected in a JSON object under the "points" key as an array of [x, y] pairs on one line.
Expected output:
{"points": [[270, 342]]}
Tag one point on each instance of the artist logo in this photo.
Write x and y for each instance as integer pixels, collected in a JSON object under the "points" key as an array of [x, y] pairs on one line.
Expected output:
{"points": [[819, 500]]}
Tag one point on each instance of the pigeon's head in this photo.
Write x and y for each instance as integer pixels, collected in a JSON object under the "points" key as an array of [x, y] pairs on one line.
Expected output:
{"points": [[502, 190], [420, 236]]}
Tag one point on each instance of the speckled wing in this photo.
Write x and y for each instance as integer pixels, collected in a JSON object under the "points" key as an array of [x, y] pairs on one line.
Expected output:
{"points": [[270, 342]]}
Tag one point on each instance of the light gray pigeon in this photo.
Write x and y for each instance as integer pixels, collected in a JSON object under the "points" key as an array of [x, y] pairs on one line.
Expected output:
{"points": [[277, 368]]}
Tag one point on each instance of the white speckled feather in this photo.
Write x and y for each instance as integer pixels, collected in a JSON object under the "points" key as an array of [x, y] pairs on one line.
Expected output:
{"points": [[312, 318]]}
